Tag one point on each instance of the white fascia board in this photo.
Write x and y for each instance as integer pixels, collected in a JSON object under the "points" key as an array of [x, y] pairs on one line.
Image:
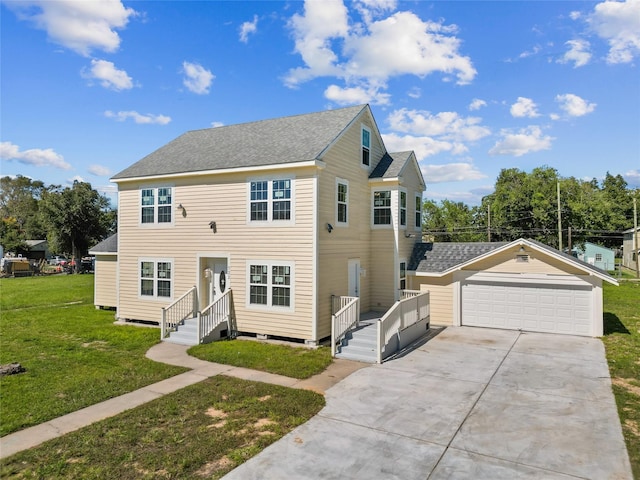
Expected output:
{"points": [[262, 168]]}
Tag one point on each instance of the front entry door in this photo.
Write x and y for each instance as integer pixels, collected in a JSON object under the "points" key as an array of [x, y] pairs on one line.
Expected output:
{"points": [[214, 280], [354, 277]]}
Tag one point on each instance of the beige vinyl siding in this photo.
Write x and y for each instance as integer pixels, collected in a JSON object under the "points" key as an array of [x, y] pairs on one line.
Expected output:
{"points": [[106, 281], [440, 298], [223, 199], [540, 263]]}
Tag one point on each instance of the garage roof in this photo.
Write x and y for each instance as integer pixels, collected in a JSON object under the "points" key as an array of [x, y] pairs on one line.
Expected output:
{"points": [[436, 259]]}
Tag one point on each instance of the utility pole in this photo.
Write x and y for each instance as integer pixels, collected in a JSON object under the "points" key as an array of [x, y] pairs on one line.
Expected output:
{"points": [[489, 222], [570, 245], [635, 235], [559, 220]]}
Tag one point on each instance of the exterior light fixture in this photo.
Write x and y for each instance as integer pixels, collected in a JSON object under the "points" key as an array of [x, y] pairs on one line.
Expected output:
{"points": [[329, 227]]}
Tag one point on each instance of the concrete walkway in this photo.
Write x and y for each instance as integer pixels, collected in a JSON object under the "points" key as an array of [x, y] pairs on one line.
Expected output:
{"points": [[470, 403], [174, 355]]}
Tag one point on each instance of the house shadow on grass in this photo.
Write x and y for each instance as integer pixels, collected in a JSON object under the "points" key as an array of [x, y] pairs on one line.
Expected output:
{"points": [[612, 324]]}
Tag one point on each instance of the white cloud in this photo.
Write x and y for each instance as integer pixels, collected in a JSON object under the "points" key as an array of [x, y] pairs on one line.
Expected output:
{"points": [[578, 53], [618, 23], [574, 106], [526, 140], [197, 78], [632, 177], [524, 107], [248, 28], [99, 170], [451, 172], [414, 92], [35, 156], [530, 53], [372, 52], [75, 178], [354, 95], [217, 124], [477, 104], [108, 75], [446, 125], [81, 26], [422, 146], [149, 118]]}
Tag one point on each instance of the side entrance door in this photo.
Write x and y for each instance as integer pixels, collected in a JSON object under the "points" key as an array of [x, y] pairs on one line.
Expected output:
{"points": [[354, 277]]}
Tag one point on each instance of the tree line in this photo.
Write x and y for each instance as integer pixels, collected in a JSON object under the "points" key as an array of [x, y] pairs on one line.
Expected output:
{"points": [[526, 205], [72, 219]]}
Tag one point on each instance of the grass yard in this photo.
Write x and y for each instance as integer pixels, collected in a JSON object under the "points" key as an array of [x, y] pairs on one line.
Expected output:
{"points": [[622, 343], [202, 431], [73, 354], [295, 362]]}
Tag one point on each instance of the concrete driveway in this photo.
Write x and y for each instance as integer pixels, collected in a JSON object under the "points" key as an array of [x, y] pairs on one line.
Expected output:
{"points": [[470, 403]]}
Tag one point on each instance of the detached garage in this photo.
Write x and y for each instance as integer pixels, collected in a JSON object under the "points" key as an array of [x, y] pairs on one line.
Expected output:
{"points": [[521, 285]]}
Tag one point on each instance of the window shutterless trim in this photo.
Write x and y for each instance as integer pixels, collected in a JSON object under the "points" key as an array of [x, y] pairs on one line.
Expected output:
{"points": [[271, 201], [383, 211], [156, 277], [365, 146], [155, 203], [342, 203], [269, 281]]}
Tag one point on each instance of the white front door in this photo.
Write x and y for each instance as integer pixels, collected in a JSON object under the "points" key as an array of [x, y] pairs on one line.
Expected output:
{"points": [[354, 277], [214, 281]]}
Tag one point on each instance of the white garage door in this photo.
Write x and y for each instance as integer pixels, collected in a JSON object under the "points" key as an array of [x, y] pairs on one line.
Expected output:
{"points": [[536, 308]]}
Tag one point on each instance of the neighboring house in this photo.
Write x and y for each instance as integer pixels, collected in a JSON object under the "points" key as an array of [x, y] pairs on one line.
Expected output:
{"points": [[37, 249], [106, 272], [630, 248], [519, 285], [596, 255], [285, 212]]}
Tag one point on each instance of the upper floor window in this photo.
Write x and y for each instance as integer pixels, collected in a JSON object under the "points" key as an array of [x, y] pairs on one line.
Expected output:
{"points": [[155, 278], [403, 208], [382, 207], [270, 200], [366, 146], [418, 223], [342, 201], [156, 205]]}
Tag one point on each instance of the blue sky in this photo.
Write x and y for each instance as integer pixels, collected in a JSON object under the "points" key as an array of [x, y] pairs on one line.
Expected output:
{"points": [[88, 88]]}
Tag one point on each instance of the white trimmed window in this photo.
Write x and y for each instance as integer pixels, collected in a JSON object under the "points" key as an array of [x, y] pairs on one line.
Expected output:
{"points": [[403, 209], [418, 223], [271, 200], [403, 275], [270, 284], [342, 202], [382, 207], [366, 146], [156, 205], [156, 278]]}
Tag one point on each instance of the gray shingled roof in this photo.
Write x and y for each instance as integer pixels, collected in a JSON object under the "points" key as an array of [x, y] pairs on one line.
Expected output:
{"points": [[390, 165], [298, 138], [440, 257], [108, 245]]}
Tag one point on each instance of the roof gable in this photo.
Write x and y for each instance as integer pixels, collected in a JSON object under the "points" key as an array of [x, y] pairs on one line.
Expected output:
{"points": [[438, 259], [294, 139]]}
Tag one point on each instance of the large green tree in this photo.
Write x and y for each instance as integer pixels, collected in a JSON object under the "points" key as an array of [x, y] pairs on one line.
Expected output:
{"points": [[78, 216], [19, 199]]}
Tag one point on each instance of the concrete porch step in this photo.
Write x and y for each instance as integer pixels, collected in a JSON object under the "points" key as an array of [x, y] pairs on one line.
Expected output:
{"points": [[185, 334]]}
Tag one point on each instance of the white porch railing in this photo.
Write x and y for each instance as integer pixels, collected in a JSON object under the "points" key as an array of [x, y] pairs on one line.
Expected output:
{"points": [[413, 307], [347, 315], [184, 307], [213, 315]]}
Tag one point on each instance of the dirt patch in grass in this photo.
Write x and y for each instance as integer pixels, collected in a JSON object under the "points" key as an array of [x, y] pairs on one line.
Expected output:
{"points": [[627, 385]]}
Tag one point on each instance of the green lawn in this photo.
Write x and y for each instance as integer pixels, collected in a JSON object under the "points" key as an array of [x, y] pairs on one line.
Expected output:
{"points": [[202, 431], [295, 362], [73, 354], [622, 343]]}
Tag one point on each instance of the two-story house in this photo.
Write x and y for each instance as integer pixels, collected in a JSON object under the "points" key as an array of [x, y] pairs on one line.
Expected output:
{"points": [[286, 213]]}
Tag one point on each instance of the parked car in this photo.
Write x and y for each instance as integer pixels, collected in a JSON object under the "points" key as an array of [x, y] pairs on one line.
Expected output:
{"points": [[58, 260]]}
